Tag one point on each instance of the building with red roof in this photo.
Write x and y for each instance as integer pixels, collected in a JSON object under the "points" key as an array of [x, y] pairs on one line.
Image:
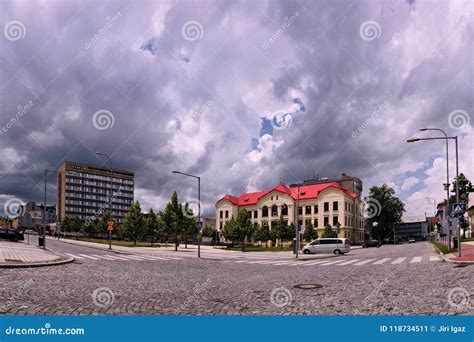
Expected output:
{"points": [[321, 204]]}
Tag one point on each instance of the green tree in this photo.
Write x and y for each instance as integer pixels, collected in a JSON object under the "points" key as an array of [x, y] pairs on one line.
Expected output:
{"points": [[207, 232], [188, 224], [328, 232], [172, 218], [465, 187], [66, 226], [281, 230], [230, 230], [245, 227], [152, 225], [309, 232], [383, 207], [134, 223], [77, 225]]}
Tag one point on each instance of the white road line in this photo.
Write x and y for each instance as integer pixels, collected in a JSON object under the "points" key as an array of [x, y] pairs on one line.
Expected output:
{"points": [[366, 261], [398, 261], [381, 261], [435, 258], [132, 257], [88, 257], [154, 257], [106, 257], [115, 257], [331, 262], [416, 259], [349, 262], [286, 263], [74, 256], [314, 262]]}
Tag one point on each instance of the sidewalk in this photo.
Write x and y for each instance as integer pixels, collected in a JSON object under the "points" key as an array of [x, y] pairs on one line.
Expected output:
{"points": [[467, 252], [19, 254]]}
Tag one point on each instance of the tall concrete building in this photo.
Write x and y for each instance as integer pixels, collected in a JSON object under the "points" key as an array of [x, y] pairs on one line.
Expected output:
{"points": [[87, 190]]}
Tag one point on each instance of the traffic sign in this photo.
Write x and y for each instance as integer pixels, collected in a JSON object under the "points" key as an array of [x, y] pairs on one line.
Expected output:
{"points": [[198, 225], [110, 226], [338, 225], [458, 208]]}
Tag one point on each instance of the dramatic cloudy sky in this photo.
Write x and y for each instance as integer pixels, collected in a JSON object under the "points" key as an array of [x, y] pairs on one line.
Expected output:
{"points": [[243, 93]]}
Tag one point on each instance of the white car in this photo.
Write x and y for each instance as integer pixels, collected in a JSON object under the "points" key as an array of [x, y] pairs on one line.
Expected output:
{"points": [[328, 245]]}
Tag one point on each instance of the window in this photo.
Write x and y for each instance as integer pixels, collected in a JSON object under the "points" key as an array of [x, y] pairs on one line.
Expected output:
{"points": [[284, 209], [334, 220], [227, 214], [308, 210], [335, 205], [300, 210], [255, 214], [277, 198], [265, 211], [326, 220], [274, 210], [221, 214], [300, 222], [316, 223], [307, 222], [220, 225], [326, 206], [316, 209]]}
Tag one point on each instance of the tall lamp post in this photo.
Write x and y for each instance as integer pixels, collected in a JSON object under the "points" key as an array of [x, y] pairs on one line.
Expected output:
{"points": [[297, 229], [448, 209], [199, 205], [110, 193]]}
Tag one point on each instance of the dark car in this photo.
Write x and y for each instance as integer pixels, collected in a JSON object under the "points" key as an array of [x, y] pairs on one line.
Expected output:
{"points": [[371, 243], [10, 234]]}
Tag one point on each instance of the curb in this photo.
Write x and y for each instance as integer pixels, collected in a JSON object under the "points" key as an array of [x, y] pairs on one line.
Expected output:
{"points": [[62, 261], [446, 259], [94, 247]]}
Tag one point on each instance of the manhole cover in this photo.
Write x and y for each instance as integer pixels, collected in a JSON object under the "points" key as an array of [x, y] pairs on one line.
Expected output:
{"points": [[308, 286]]}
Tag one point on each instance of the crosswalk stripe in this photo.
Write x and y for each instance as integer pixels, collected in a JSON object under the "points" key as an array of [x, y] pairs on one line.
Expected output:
{"points": [[132, 257], [349, 262], [331, 262], [74, 256], [435, 258], [416, 259], [116, 257], [88, 257], [150, 257], [314, 262], [381, 261], [106, 257], [364, 262], [398, 261]]}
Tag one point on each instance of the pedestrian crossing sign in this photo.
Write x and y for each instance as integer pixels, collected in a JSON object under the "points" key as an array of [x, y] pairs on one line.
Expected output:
{"points": [[458, 208]]}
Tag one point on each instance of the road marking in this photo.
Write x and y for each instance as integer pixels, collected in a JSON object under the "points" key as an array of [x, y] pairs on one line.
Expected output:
{"points": [[132, 257], [349, 262], [331, 262], [88, 257], [435, 258], [115, 257], [416, 259], [106, 257], [74, 256], [364, 262], [154, 257], [381, 261], [398, 261]]}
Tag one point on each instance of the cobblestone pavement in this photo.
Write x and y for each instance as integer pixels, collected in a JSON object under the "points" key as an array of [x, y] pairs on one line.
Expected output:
{"points": [[214, 287]]}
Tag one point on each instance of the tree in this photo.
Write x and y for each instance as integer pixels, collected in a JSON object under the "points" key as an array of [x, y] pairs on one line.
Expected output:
{"points": [[207, 232], [230, 231], [152, 225], [465, 187], [383, 207], [77, 225], [329, 232], [188, 224], [258, 234], [66, 225], [244, 227], [309, 232], [134, 223], [171, 218]]}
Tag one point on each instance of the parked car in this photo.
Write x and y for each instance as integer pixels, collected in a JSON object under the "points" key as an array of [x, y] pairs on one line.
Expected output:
{"points": [[411, 240], [11, 234], [30, 232], [328, 245], [371, 243]]}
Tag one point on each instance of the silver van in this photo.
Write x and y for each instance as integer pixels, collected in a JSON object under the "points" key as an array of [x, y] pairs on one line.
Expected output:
{"points": [[328, 245]]}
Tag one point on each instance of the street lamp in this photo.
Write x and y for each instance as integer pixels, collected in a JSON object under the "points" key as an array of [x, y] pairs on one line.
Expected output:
{"points": [[446, 138], [110, 197], [297, 229], [199, 205]]}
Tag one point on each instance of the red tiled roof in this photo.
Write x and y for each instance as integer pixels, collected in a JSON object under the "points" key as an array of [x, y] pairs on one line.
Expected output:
{"points": [[306, 192]]}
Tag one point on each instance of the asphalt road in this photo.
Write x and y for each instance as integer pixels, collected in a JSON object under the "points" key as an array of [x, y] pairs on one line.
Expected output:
{"points": [[391, 280]]}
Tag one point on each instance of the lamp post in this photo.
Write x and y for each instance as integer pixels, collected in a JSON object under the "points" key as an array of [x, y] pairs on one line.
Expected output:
{"points": [[297, 229], [199, 205], [446, 138], [110, 197]]}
